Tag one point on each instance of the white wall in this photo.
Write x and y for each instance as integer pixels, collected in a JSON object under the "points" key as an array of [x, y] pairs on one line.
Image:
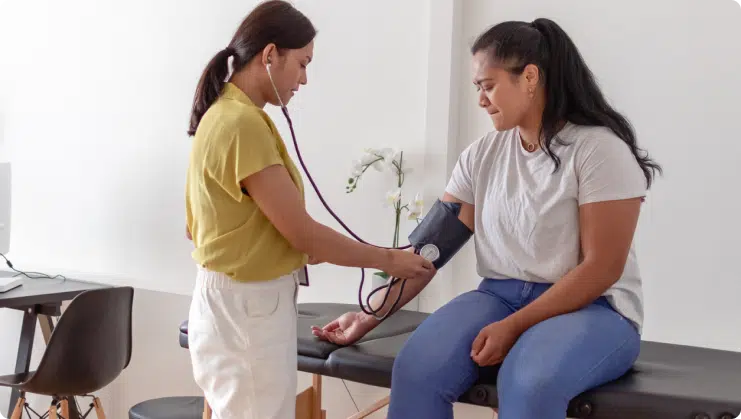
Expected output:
{"points": [[674, 68], [97, 127], [96, 105], [96, 109]]}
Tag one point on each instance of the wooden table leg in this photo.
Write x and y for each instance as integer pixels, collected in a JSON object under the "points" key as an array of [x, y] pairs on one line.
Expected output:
{"points": [[47, 326], [309, 401], [207, 413]]}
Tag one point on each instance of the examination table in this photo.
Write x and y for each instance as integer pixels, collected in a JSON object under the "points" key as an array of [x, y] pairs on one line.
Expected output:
{"points": [[667, 382]]}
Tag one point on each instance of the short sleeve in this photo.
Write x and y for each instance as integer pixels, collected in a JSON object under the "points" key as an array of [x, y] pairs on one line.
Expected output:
{"points": [[607, 170], [461, 184], [254, 147]]}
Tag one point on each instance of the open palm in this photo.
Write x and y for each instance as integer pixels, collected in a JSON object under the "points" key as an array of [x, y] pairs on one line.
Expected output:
{"points": [[345, 330]]}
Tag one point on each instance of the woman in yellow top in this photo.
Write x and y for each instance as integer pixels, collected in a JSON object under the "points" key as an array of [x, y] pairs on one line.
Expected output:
{"points": [[247, 219]]}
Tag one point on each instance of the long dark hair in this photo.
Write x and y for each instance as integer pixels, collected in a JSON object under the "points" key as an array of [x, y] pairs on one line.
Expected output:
{"points": [[273, 21], [571, 91]]}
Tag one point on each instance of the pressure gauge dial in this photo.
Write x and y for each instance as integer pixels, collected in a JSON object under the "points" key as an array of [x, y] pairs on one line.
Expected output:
{"points": [[430, 252]]}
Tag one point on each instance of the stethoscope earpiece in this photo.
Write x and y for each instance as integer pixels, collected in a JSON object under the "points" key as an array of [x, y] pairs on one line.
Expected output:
{"points": [[275, 89]]}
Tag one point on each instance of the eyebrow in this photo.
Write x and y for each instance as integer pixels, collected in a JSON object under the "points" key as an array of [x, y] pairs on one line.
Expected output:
{"points": [[479, 81]]}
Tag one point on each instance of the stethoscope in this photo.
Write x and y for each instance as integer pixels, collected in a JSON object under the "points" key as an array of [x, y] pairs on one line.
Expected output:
{"points": [[429, 252]]}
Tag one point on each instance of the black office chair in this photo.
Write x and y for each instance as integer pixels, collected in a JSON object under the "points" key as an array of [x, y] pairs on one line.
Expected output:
{"points": [[89, 348]]}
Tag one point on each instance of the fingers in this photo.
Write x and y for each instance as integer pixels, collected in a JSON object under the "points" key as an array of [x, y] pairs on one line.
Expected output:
{"points": [[334, 324], [478, 344], [336, 336], [484, 355], [330, 336], [423, 271], [330, 332], [492, 360]]}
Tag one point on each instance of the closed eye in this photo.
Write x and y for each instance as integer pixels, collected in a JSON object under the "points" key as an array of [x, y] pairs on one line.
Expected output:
{"points": [[487, 88]]}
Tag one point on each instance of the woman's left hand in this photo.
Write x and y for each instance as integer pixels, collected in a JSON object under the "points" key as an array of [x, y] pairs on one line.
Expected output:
{"points": [[494, 342]]}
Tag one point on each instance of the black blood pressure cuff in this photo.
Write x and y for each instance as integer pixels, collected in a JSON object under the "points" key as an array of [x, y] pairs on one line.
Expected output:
{"points": [[441, 228]]}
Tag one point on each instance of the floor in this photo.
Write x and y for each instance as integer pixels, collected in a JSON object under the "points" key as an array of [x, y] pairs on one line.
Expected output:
{"points": [[340, 399]]}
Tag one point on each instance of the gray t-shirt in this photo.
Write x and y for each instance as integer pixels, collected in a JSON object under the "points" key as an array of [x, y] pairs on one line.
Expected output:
{"points": [[527, 217]]}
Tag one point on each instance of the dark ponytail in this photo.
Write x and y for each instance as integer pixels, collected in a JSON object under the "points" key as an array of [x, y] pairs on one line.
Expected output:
{"points": [[572, 94], [273, 21], [209, 87]]}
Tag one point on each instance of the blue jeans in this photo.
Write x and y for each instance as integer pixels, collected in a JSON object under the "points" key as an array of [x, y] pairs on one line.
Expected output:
{"points": [[550, 364]]}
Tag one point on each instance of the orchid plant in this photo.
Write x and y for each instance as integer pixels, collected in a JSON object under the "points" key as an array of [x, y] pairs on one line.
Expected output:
{"points": [[388, 160]]}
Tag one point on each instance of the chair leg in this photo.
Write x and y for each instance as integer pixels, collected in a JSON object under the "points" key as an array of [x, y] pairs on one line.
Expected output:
{"points": [[53, 410], [206, 409], [18, 411], [98, 408], [65, 408]]}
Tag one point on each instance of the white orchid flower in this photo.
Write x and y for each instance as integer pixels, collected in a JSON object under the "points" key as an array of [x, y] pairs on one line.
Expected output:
{"points": [[380, 165], [393, 197], [357, 168], [416, 207], [368, 158], [384, 158]]}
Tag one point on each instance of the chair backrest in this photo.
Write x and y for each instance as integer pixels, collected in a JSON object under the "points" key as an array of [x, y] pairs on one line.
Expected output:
{"points": [[90, 345]]}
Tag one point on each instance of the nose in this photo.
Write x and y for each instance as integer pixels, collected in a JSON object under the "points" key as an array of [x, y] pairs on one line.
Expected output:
{"points": [[483, 100], [303, 80]]}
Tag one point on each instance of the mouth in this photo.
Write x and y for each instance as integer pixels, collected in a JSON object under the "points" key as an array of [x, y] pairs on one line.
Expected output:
{"points": [[493, 113]]}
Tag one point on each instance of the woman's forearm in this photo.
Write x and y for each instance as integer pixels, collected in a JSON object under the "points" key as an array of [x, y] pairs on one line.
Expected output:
{"points": [[322, 243], [580, 287], [411, 290]]}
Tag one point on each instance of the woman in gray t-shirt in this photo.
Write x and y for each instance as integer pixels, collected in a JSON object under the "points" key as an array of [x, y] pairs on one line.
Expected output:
{"points": [[553, 196]]}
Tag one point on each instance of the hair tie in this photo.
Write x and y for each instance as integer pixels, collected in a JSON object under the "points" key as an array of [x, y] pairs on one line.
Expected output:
{"points": [[230, 51]]}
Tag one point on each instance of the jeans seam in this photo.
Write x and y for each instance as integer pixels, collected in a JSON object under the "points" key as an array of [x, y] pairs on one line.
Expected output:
{"points": [[460, 382], [598, 364], [500, 298]]}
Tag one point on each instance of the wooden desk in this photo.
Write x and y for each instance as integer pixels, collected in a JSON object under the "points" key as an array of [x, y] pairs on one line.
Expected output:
{"points": [[39, 299]]}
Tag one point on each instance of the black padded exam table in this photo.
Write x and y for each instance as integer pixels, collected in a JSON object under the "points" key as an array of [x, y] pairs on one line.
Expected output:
{"points": [[667, 382]]}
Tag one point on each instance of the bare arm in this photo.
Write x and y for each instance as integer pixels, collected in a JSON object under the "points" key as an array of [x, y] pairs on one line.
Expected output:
{"points": [[278, 198], [607, 230], [412, 289]]}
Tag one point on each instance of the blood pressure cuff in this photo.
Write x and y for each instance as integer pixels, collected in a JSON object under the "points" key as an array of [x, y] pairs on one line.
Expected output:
{"points": [[442, 228]]}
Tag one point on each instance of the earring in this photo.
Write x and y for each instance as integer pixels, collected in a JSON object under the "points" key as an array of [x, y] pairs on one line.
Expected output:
{"points": [[531, 92]]}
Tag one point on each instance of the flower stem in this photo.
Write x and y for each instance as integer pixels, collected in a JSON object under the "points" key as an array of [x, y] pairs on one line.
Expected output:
{"points": [[397, 207]]}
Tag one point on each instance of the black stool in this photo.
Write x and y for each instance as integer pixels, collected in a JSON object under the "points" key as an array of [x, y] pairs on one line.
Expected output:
{"points": [[168, 408]]}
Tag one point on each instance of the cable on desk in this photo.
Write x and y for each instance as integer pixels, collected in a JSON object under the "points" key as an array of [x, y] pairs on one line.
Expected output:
{"points": [[31, 275]]}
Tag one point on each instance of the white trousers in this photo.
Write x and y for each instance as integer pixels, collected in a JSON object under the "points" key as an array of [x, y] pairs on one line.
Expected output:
{"points": [[242, 339]]}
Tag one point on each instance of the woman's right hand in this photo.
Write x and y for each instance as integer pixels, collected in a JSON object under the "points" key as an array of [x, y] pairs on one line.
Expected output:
{"points": [[408, 265], [346, 329]]}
